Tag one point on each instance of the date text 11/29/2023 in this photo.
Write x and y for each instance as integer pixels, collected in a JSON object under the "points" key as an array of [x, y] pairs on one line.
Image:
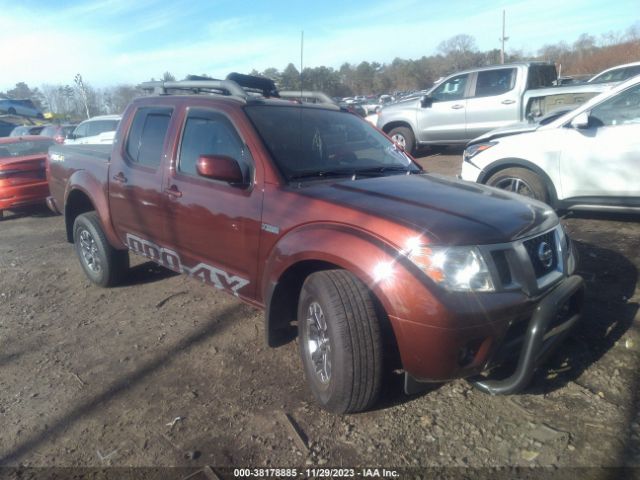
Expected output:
{"points": [[315, 473]]}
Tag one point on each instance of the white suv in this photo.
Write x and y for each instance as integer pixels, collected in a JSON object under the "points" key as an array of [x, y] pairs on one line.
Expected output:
{"points": [[96, 130], [586, 159]]}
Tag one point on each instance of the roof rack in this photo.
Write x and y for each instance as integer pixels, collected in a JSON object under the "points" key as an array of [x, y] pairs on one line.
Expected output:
{"points": [[236, 84]]}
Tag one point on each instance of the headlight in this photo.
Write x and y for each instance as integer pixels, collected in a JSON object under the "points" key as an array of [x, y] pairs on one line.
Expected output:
{"points": [[473, 150], [459, 269], [568, 248]]}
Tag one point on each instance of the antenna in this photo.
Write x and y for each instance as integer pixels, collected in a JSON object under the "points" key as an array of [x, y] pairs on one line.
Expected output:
{"points": [[503, 38], [301, 58]]}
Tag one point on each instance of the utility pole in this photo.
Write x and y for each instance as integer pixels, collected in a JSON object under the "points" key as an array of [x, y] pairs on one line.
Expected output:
{"points": [[503, 38]]}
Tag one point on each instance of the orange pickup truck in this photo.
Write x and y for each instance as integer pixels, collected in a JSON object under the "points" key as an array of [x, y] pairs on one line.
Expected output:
{"points": [[315, 216]]}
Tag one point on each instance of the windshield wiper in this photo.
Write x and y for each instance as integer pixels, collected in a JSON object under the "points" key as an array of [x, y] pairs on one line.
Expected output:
{"points": [[352, 172], [323, 174], [382, 170]]}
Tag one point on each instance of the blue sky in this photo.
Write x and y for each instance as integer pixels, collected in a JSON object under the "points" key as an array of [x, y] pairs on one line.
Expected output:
{"points": [[129, 41]]}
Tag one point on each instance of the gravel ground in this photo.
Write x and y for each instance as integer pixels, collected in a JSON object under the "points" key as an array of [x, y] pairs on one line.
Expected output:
{"points": [[167, 372]]}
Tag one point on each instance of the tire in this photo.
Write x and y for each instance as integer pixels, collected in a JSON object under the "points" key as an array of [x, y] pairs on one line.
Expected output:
{"points": [[11, 111], [350, 377], [522, 181], [404, 137], [103, 264]]}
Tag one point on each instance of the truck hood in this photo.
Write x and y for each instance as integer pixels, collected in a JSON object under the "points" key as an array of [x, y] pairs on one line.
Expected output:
{"points": [[447, 211]]}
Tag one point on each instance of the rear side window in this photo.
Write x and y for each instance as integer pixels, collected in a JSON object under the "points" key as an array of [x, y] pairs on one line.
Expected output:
{"points": [[210, 133], [495, 82], [541, 76], [146, 136]]}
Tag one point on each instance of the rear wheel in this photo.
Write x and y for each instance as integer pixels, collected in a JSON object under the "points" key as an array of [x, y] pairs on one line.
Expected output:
{"points": [[521, 181], [404, 137], [340, 342], [11, 111], [103, 264]]}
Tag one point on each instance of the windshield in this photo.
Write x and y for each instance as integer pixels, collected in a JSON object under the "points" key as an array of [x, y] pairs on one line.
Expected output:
{"points": [[21, 149], [308, 143]]}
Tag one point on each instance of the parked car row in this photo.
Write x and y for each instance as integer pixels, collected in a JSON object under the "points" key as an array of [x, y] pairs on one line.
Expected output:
{"points": [[23, 153]]}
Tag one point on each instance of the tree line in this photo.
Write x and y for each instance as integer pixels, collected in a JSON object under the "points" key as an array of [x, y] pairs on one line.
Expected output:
{"points": [[587, 55]]}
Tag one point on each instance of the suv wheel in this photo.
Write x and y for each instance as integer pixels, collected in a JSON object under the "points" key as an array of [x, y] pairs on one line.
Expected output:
{"points": [[11, 111], [340, 343], [404, 137], [522, 181], [103, 264]]}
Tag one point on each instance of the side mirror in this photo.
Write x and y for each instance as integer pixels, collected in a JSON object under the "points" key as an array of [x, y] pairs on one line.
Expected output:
{"points": [[220, 167], [426, 101], [71, 136], [580, 121]]}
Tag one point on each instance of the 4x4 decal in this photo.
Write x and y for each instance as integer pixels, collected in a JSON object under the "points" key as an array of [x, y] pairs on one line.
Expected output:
{"points": [[168, 258]]}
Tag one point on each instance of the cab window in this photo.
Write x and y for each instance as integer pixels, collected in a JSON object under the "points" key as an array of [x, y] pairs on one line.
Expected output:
{"points": [[495, 82], [211, 133], [452, 89], [146, 136]]}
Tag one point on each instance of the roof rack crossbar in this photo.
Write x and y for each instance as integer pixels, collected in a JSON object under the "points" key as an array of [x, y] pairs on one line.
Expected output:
{"points": [[229, 86]]}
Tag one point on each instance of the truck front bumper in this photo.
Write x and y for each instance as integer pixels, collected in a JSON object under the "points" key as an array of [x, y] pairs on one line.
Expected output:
{"points": [[552, 319], [518, 332]]}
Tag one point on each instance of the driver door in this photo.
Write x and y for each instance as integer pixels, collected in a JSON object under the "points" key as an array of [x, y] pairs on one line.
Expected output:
{"points": [[445, 118]]}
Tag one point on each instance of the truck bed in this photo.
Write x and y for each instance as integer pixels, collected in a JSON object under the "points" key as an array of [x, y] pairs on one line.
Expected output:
{"points": [[64, 161]]}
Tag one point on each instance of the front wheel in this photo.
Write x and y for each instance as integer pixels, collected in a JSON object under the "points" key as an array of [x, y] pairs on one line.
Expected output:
{"points": [[340, 342], [404, 137], [521, 181], [103, 264]]}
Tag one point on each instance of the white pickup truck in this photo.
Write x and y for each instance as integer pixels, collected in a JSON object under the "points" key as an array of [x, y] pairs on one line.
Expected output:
{"points": [[470, 103]]}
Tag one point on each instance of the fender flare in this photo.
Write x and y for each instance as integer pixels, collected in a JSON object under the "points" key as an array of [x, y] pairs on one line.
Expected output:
{"points": [[86, 183], [324, 246]]}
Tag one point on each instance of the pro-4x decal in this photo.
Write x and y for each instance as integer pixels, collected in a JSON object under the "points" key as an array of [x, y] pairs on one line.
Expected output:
{"points": [[208, 274]]}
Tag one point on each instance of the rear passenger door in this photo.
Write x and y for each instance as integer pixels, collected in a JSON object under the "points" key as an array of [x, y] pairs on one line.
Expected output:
{"points": [[214, 226], [136, 200], [494, 101]]}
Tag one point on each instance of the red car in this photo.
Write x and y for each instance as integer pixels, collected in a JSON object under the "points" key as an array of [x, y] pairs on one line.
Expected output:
{"points": [[22, 171]]}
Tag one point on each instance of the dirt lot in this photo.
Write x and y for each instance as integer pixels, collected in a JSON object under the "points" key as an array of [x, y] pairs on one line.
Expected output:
{"points": [[165, 371]]}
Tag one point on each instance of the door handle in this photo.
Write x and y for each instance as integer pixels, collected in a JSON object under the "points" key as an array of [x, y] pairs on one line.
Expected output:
{"points": [[457, 106], [120, 178], [508, 102], [173, 192]]}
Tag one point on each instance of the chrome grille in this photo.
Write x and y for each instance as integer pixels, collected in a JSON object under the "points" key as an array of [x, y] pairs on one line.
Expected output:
{"points": [[534, 248]]}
